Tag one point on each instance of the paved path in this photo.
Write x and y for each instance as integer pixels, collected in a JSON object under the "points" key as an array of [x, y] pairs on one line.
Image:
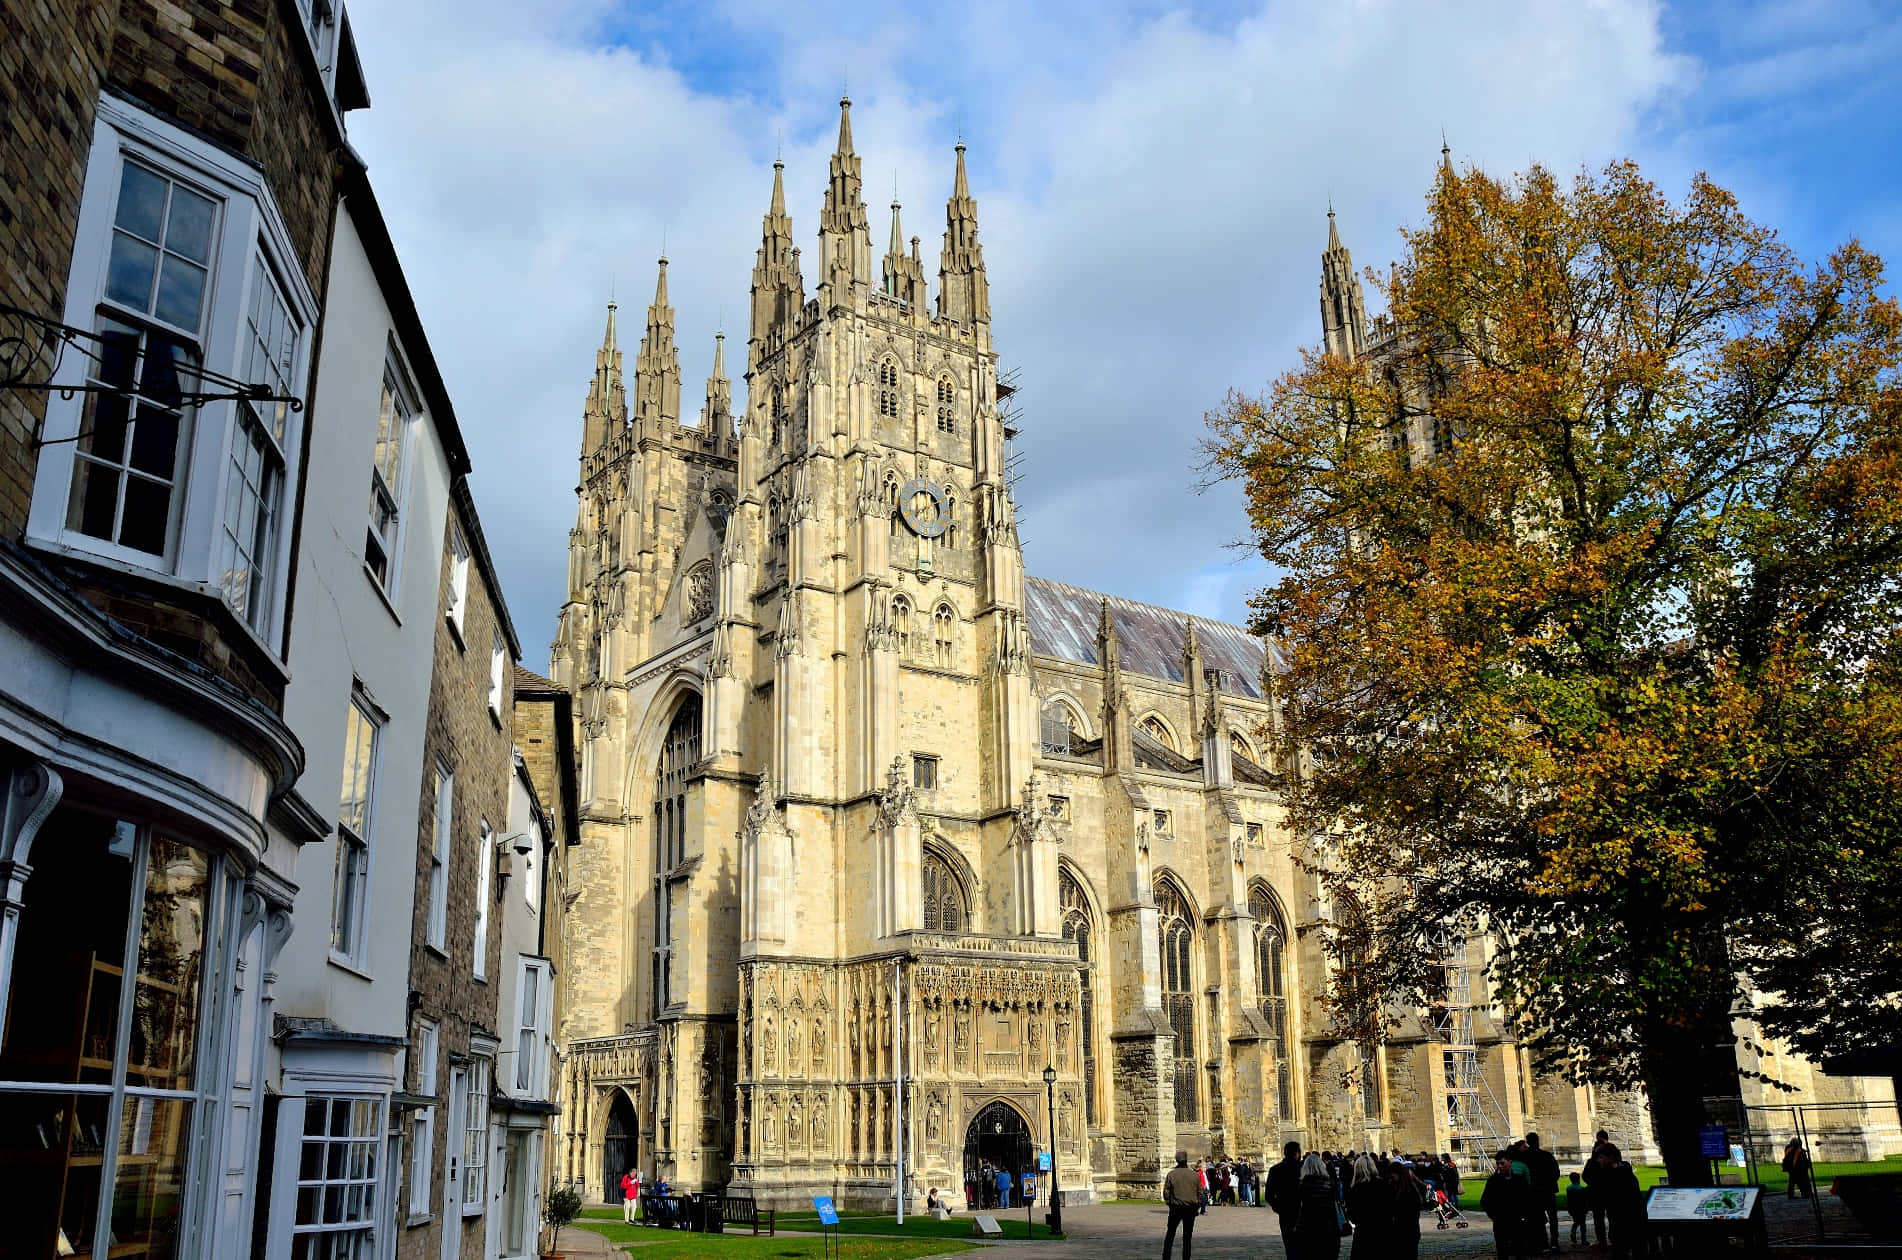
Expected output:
{"points": [[1130, 1232]]}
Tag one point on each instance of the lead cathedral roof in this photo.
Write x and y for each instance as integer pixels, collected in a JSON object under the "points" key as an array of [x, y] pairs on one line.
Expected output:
{"points": [[1064, 619]]}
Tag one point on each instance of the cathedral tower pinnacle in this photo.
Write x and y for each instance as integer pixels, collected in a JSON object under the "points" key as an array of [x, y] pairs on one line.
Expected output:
{"points": [[717, 418], [657, 368], [778, 291], [964, 293], [1343, 310], [845, 234], [904, 275], [606, 410]]}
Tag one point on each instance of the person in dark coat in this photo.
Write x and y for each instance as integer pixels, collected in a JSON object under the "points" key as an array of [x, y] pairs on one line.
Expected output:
{"points": [[1507, 1201], [1410, 1196], [1182, 1192], [1370, 1207], [1544, 1170], [1590, 1173], [1284, 1194], [1317, 1228], [1617, 1185]]}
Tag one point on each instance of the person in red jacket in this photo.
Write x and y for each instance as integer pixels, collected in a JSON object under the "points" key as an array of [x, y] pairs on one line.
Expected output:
{"points": [[631, 1195]]}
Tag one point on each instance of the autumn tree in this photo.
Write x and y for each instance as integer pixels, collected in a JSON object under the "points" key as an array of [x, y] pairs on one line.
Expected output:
{"points": [[1589, 597]]}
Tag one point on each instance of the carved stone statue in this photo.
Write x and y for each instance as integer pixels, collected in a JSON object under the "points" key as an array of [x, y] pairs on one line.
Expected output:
{"points": [[819, 1044], [795, 1047]]}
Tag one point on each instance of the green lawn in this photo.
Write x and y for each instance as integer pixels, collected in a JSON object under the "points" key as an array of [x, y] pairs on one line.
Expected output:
{"points": [[959, 1226], [664, 1244]]}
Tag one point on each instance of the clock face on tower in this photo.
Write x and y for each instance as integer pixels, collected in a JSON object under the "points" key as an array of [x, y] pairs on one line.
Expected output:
{"points": [[922, 505]]}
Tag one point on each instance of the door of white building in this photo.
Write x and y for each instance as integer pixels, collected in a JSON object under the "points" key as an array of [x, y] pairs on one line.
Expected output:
{"points": [[458, 1135]]}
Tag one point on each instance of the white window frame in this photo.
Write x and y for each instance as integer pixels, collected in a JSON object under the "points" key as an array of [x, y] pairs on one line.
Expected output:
{"points": [[369, 1184], [351, 887], [422, 1124], [531, 1027], [485, 876], [458, 581], [498, 667], [251, 246], [475, 1141], [531, 879], [436, 928], [389, 496]]}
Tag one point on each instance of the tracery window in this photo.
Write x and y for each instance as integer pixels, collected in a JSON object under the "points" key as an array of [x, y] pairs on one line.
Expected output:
{"points": [[1239, 746], [901, 622], [678, 753], [1058, 729], [947, 403], [1156, 729], [943, 622], [945, 907], [888, 389], [1077, 927], [1271, 937], [1176, 933]]}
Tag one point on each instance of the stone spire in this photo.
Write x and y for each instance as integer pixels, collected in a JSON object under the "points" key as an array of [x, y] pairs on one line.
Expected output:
{"points": [[963, 291], [1343, 310], [778, 291], [606, 410], [1119, 756], [657, 369], [845, 234], [717, 417], [904, 274]]}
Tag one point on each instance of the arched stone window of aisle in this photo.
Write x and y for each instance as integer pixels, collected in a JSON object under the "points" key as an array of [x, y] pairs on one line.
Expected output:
{"points": [[901, 623], [1158, 730], [678, 752], [943, 622], [946, 909], [1058, 729], [1347, 915], [1239, 746], [1176, 934], [1077, 927], [1271, 939]]}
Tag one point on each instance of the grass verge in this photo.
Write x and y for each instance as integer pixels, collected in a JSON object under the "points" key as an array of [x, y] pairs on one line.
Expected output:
{"points": [[663, 1244]]}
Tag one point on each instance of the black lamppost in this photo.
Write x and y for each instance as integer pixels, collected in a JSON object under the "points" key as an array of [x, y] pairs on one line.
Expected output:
{"points": [[1055, 1219]]}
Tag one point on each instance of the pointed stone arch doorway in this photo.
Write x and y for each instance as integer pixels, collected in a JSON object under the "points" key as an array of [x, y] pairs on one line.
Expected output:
{"points": [[620, 1146], [998, 1139]]}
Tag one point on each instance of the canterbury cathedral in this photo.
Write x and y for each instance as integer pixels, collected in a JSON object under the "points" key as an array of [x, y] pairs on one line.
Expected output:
{"points": [[877, 828]]}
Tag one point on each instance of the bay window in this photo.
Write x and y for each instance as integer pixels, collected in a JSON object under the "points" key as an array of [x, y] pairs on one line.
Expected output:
{"points": [[111, 1065], [183, 277]]}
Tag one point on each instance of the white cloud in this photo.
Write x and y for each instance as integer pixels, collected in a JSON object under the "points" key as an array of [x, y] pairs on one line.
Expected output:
{"points": [[1151, 188]]}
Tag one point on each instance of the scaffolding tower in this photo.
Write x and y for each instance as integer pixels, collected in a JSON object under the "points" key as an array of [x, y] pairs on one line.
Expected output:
{"points": [[1476, 1124]]}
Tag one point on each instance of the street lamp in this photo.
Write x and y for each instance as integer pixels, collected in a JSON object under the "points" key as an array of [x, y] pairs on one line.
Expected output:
{"points": [[1055, 1219]]}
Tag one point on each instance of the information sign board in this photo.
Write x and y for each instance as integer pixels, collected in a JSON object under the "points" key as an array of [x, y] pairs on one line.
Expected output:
{"points": [[828, 1215], [1721, 1203], [1713, 1141], [1043, 1161], [988, 1226]]}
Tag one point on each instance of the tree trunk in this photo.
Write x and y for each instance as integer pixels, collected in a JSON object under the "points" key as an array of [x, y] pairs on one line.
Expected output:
{"points": [[1682, 1071]]}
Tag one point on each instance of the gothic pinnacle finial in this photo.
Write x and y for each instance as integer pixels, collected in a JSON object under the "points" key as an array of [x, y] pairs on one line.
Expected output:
{"points": [[1333, 233], [1446, 154], [845, 124], [961, 187], [719, 353], [608, 341]]}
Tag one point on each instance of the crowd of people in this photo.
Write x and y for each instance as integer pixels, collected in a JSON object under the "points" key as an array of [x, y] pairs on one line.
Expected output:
{"points": [[1369, 1206]]}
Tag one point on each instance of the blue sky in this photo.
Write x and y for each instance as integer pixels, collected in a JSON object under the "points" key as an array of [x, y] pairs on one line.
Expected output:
{"points": [[1152, 182]]}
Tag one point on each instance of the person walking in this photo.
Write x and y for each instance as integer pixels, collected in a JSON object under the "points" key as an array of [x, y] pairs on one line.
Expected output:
{"points": [[1318, 1218], [1370, 1207], [1507, 1202], [1617, 1185], [1543, 1168], [1283, 1194], [1591, 1172], [1796, 1162], [1182, 1192], [1410, 1197], [630, 1196]]}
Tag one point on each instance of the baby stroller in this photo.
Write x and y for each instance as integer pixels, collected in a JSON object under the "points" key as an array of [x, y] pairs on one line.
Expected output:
{"points": [[1446, 1212]]}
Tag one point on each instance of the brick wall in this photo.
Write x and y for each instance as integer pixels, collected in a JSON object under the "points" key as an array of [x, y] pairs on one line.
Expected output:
{"points": [[478, 748]]}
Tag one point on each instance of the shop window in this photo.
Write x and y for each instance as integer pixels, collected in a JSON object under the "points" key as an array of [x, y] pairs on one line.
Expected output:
{"points": [[337, 1177]]}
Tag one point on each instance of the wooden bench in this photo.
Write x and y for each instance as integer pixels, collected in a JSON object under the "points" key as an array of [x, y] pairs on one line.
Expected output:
{"points": [[744, 1210], [666, 1211]]}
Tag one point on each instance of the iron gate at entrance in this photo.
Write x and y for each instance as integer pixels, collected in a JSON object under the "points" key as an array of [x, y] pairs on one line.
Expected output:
{"points": [[998, 1139], [618, 1149]]}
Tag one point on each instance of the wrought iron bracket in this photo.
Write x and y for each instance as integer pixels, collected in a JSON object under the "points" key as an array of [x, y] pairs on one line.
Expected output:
{"points": [[33, 348]]}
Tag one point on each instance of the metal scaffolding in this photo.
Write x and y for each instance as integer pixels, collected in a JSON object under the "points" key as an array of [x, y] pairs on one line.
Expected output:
{"points": [[1476, 1123]]}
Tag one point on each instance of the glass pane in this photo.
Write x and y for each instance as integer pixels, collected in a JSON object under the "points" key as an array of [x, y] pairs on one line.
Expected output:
{"points": [[95, 499], [129, 272], [118, 355], [169, 366], [171, 950], [155, 442], [102, 432], [188, 231], [148, 506], [181, 292], [63, 1011], [141, 202], [51, 1144], [148, 1189]]}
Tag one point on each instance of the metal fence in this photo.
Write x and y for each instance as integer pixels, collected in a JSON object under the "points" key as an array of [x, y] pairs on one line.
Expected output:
{"points": [[1844, 1141]]}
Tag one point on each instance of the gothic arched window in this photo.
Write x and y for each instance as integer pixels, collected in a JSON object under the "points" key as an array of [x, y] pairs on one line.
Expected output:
{"points": [[1271, 939], [901, 622], [945, 907], [947, 404], [1158, 730], [1077, 926], [1058, 729], [1176, 934], [888, 388], [678, 753], [943, 623], [1351, 984], [1239, 746]]}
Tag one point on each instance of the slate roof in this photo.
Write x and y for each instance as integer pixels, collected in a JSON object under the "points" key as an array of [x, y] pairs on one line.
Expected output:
{"points": [[1063, 621]]}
